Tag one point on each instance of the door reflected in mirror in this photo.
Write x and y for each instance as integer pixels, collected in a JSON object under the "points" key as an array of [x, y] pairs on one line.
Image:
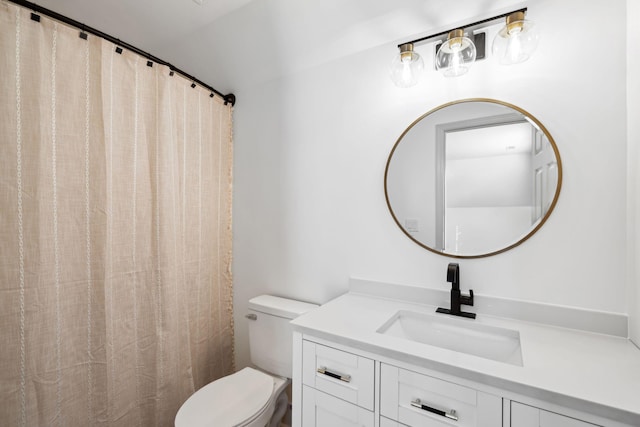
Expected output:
{"points": [[473, 178]]}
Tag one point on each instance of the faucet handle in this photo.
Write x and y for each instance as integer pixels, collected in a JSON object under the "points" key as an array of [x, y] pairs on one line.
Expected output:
{"points": [[467, 299]]}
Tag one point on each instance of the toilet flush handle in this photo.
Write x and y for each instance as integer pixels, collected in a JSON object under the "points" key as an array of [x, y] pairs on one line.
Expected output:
{"points": [[251, 316]]}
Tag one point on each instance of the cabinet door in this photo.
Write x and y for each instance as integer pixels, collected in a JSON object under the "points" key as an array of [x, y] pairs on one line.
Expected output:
{"points": [[386, 422], [549, 419], [323, 410], [524, 415], [529, 416]]}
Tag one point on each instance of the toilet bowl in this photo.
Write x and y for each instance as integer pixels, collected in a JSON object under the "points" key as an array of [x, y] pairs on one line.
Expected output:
{"points": [[251, 397], [247, 398]]}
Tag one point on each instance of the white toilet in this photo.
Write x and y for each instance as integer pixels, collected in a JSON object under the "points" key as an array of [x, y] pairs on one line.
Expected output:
{"points": [[251, 397]]}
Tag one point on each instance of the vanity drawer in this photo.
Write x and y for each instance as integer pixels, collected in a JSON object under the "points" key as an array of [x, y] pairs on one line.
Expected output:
{"points": [[417, 399], [529, 416], [341, 374], [323, 410]]}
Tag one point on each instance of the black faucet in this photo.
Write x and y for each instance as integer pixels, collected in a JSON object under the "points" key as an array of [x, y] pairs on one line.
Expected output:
{"points": [[457, 299]]}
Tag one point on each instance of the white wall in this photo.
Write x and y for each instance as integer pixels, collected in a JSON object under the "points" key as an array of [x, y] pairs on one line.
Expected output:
{"points": [[633, 113], [310, 152]]}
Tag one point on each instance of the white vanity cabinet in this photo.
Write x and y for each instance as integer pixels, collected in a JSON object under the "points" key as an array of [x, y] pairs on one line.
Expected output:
{"points": [[351, 369], [339, 386]]}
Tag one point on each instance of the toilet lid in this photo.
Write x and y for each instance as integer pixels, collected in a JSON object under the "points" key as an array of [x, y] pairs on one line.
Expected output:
{"points": [[228, 401]]}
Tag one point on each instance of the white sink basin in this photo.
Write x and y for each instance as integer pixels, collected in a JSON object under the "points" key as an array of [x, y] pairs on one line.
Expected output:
{"points": [[457, 334]]}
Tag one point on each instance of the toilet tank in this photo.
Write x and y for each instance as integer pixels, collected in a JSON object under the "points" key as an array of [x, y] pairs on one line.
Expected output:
{"points": [[270, 334]]}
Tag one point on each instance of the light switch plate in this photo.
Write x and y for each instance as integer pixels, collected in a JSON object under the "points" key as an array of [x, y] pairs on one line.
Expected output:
{"points": [[412, 225]]}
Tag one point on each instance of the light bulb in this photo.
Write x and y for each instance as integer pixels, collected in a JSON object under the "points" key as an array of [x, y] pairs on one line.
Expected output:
{"points": [[456, 55], [457, 62], [406, 68], [516, 41], [514, 50]]}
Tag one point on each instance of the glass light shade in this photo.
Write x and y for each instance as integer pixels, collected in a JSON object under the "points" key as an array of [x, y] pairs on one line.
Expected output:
{"points": [[406, 67], [516, 41], [456, 55]]}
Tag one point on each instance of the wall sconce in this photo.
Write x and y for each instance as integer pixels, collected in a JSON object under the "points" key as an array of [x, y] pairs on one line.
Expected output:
{"points": [[456, 55], [407, 67], [514, 43]]}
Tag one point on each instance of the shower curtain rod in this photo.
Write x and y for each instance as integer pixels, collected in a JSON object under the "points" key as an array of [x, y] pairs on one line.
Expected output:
{"points": [[228, 99]]}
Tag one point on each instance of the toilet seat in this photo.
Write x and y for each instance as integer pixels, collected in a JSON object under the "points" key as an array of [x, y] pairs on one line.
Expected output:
{"points": [[234, 400]]}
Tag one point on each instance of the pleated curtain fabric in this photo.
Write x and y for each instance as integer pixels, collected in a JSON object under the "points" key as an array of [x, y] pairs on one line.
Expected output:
{"points": [[115, 232]]}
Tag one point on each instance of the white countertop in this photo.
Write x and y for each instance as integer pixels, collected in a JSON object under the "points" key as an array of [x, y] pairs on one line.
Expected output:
{"points": [[585, 371]]}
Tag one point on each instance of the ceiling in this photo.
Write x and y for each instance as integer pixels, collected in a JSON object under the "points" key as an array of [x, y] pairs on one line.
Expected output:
{"points": [[234, 43], [145, 23]]}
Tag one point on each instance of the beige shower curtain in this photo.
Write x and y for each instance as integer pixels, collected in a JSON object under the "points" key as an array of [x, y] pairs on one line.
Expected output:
{"points": [[115, 232]]}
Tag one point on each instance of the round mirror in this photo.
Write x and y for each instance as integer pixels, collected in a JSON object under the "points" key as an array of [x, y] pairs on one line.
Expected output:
{"points": [[473, 178]]}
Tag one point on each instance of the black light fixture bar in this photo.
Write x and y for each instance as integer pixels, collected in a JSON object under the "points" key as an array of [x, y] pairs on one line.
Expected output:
{"points": [[228, 99], [473, 24]]}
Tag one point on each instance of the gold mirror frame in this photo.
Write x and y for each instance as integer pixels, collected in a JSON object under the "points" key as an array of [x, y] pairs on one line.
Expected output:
{"points": [[510, 246]]}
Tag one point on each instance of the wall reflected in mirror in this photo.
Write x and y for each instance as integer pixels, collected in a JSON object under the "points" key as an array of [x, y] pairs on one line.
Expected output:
{"points": [[473, 178]]}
